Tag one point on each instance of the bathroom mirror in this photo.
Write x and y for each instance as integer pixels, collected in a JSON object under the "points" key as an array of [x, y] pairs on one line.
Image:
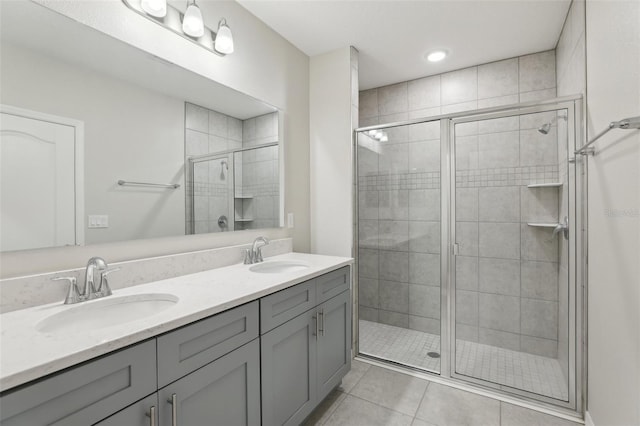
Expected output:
{"points": [[103, 142]]}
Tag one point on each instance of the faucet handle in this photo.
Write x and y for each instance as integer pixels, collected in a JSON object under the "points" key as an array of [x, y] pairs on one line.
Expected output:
{"points": [[103, 288], [258, 255], [248, 256], [73, 295]]}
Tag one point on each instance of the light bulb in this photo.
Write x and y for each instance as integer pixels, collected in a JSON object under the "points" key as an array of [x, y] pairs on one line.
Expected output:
{"points": [[436, 56], [157, 8], [192, 24], [224, 39]]}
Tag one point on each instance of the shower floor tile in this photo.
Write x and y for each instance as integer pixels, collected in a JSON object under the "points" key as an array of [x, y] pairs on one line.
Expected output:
{"points": [[509, 368]]}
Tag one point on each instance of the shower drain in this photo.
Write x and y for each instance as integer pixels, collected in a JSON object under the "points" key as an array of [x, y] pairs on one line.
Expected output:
{"points": [[433, 354]]}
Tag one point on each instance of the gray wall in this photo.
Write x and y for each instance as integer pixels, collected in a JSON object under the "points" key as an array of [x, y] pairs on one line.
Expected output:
{"points": [[399, 221]]}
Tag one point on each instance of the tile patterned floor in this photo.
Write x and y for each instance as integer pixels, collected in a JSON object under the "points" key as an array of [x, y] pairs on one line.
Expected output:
{"points": [[375, 396], [509, 368]]}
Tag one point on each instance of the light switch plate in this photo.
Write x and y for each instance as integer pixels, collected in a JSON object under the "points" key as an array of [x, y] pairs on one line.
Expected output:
{"points": [[290, 220], [98, 221]]}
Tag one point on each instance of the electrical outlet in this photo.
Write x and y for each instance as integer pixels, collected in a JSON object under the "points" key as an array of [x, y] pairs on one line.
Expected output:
{"points": [[290, 220]]}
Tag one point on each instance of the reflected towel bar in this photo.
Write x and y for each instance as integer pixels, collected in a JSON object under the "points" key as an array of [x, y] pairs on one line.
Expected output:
{"points": [[155, 185], [626, 123]]}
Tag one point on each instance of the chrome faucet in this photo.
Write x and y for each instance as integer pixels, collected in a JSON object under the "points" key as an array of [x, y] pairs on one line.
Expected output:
{"points": [[254, 254], [96, 272]]}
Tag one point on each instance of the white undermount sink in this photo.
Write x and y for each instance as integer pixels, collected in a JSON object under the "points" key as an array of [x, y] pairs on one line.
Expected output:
{"points": [[279, 266], [106, 312]]}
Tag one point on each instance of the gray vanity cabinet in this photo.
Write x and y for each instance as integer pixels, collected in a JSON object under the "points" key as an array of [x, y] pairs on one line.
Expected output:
{"points": [[305, 357], [334, 342], [288, 371], [138, 414], [84, 394], [224, 392], [188, 348]]}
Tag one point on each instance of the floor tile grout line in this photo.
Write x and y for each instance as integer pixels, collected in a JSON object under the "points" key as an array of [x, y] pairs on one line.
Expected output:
{"points": [[378, 405]]}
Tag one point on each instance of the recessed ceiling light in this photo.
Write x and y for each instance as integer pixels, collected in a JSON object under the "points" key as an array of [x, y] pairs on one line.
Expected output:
{"points": [[436, 56]]}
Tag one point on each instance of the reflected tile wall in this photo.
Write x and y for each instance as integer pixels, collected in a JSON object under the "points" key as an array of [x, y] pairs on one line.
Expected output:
{"points": [[257, 199], [208, 132]]}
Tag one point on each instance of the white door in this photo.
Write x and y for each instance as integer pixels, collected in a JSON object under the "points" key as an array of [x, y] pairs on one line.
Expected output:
{"points": [[37, 183]]}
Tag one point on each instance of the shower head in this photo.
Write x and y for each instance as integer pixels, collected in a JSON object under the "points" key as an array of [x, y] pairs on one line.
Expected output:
{"points": [[546, 127]]}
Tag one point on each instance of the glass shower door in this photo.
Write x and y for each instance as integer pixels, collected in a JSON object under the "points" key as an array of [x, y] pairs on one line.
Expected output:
{"points": [[511, 266], [399, 237]]}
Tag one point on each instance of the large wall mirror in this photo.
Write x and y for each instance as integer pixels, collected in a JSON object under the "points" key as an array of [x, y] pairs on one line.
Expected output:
{"points": [[102, 142]]}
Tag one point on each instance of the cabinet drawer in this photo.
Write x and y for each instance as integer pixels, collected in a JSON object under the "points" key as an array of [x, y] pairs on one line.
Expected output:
{"points": [[86, 394], [284, 305], [332, 284], [184, 350]]}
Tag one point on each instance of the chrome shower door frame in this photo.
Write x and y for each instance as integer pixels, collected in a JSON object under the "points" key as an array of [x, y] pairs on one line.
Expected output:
{"points": [[576, 192], [577, 203]]}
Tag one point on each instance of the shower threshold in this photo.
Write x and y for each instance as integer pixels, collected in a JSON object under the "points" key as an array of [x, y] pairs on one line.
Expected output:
{"points": [[511, 369]]}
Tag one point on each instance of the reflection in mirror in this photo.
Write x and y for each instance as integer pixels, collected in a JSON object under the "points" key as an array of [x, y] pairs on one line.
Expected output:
{"points": [[232, 171], [138, 119]]}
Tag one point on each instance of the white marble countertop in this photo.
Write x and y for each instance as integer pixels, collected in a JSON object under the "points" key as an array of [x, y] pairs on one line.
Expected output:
{"points": [[27, 354]]}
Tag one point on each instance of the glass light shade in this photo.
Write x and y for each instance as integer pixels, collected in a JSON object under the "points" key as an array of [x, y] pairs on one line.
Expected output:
{"points": [[157, 8], [192, 24], [224, 39]]}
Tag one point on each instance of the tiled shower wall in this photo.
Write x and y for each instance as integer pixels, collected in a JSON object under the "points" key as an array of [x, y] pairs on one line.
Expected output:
{"points": [[256, 198], [257, 175], [208, 132], [399, 245], [571, 77]]}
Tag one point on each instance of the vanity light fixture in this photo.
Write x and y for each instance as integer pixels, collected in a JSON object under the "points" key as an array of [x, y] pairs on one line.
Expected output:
{"points": [[155, 8], [224, 38], [192, 23], [189, 25], [436, 55]]}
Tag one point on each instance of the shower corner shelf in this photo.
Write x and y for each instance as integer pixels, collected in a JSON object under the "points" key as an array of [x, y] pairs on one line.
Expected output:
{"points": [[545, 185], [243, 219], [542, 224], [243, 197]]}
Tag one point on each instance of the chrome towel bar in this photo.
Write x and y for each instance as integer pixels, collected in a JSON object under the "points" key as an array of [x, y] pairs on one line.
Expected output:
{"points": [[626, 123], [154, 185]]}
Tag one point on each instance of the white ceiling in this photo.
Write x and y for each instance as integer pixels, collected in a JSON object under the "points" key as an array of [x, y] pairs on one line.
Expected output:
{"points": [[393, 35]]}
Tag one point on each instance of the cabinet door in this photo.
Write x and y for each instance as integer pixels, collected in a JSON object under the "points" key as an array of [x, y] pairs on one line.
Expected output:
{"points": [[85, 394], [334, 342], [289, 371], [138, 414], [224, 392]]}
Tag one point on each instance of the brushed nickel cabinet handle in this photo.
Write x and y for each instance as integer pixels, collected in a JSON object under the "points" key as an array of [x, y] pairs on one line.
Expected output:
{"points": [[174, 409], [321, 321], [152, 415], [315, 319]]}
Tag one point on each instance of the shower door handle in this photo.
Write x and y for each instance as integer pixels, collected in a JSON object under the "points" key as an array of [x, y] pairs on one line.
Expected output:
{"points": [[562, 227]]}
